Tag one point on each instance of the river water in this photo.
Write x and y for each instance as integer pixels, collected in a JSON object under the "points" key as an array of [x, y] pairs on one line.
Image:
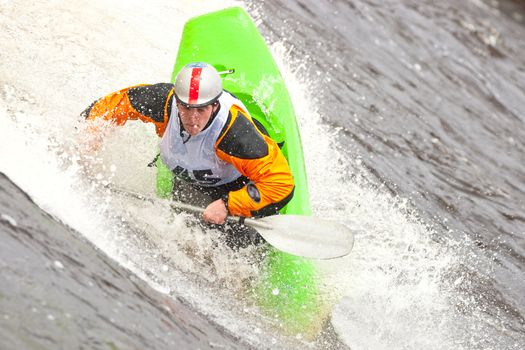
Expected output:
{"points": [[412, 120]]}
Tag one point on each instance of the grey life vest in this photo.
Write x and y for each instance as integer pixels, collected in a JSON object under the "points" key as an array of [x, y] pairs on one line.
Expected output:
{"points": [[193, 158]]}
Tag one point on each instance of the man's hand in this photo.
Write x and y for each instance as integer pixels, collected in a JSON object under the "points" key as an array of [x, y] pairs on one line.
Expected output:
{"points": [[215, 213]]}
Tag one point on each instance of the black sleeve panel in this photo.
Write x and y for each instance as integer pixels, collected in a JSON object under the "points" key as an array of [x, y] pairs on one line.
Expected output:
{"points": [[264, 131], [261, 127], [242, 140], [150, 100]]}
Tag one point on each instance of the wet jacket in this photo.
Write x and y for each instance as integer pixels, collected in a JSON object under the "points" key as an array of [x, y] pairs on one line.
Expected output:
{"points": [[239, 144]]}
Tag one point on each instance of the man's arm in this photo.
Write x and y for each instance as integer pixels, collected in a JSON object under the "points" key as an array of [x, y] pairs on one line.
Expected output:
{"points": [[148, 103], [259, 158]]}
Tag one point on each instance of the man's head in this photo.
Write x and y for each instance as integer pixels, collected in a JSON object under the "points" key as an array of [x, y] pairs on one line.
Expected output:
{"points": [[197, 89]]}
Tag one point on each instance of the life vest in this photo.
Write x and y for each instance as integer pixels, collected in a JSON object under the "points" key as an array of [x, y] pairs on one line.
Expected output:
{"points": [[194, 158]]}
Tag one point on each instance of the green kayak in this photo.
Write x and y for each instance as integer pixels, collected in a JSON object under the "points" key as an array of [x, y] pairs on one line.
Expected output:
{"points": [[288, 288]]}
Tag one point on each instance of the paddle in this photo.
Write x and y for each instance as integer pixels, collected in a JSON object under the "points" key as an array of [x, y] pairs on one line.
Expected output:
{"points": [[305, 236], [300, 235]]}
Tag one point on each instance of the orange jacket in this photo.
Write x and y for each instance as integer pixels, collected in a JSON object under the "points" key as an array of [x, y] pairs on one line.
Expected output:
{"points": [[269, 172]]}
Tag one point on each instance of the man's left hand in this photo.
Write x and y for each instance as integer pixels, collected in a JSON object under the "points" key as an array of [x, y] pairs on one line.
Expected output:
{"points": [[215, 212]]}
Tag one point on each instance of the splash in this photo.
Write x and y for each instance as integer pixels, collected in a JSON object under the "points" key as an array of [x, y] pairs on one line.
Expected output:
{"points": [[394, 281]]}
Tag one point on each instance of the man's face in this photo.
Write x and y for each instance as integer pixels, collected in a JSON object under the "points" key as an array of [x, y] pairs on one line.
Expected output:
{"points": [[194, 119]]}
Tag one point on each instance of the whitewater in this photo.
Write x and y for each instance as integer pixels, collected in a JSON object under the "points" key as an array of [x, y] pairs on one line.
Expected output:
{"points": [[435, 264]]}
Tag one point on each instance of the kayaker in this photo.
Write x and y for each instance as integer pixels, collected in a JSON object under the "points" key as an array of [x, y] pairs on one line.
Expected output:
{"points": [[220, 158]]}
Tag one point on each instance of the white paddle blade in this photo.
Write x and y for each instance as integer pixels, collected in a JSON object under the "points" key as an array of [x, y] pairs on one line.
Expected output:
{"points": [[306, 236]]}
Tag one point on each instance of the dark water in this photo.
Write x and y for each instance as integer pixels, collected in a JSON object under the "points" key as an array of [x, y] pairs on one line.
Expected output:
{"points": [[60, 292], [429, 97]]}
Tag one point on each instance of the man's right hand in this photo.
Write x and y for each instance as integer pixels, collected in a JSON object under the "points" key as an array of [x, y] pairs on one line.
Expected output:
{"points": [[215, 212]]}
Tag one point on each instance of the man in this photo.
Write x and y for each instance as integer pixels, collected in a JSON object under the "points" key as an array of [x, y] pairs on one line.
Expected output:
{"points": [[219, 158]]}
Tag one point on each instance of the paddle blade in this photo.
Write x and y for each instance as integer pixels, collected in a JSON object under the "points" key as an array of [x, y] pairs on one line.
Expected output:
{"points": [[306, 236]]}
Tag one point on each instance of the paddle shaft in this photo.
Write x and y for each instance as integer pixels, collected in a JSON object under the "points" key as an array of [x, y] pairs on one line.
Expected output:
{"points": [[191, 208], [233, 219]]}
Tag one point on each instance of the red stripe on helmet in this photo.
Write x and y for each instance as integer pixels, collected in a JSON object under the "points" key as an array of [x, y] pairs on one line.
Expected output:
{"points": [[194, 85]]}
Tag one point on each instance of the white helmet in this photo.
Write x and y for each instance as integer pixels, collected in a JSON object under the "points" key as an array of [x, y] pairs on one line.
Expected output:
{"points": [[198, 84]]}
